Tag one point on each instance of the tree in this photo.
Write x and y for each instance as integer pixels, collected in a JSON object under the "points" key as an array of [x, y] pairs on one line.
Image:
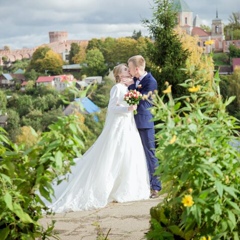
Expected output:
{"points": [[136, 35], [205, 28], [45, 60], [3, 102], [232, 30], [166, 55], [108, 51], [80, 56], [234, 52], [142, 45], [94, 43], [95, 63], [28, 137], [75, 49], [30, 87], [22, 104], [124, 48], [231, 87], [101, 95], [6, 48], [234, 20], [31, 75], [13, 124], [19, 64]]}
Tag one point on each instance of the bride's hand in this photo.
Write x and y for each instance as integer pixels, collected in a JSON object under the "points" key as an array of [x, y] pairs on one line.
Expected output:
{"points": [[132, 108], [127, 80]]}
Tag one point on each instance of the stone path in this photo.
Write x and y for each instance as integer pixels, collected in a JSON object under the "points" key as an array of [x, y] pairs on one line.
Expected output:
{"points": [[118, 221]]}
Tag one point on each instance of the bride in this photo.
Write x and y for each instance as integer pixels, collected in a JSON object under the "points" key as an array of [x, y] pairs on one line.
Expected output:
{"points": [[114, 168]]}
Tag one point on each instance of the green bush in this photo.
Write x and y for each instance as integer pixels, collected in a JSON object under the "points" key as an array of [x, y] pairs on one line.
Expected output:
{"points": [[199, 168], [26, 176]]}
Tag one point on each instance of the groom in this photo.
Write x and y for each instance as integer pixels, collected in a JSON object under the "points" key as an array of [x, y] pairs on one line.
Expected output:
{"points": [[144, 82]]}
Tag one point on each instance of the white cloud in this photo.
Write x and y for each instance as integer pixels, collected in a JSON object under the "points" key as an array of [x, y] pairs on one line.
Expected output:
{"points": [[26, 23]]}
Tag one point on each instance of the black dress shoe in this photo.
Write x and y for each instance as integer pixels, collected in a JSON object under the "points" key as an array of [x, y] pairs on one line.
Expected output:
{"points": [[154, 194]]}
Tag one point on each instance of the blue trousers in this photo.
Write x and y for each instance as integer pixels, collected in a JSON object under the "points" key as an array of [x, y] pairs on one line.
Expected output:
{"points": [[148, 141]]}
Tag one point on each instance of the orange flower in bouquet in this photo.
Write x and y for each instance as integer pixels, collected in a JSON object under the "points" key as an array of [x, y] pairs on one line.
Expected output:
{"points": [[133, 97]]}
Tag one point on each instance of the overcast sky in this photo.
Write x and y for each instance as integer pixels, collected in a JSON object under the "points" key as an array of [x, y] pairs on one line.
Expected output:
{"points": [[26, 23]]}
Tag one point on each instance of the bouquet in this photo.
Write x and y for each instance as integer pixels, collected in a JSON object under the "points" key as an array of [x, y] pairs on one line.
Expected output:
{"points": [[133, 97]]}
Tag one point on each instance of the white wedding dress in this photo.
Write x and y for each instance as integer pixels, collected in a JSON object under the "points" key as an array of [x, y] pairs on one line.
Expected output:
{"points": [[113, 169]]}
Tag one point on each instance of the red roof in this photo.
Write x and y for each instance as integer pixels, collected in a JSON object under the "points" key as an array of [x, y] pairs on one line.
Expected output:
{"points": [[45, 79], [199, 32], [24, 83], [63, 78]]}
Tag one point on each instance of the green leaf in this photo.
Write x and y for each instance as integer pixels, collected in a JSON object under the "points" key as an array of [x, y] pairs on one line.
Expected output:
{"points": [[235, 236], [24, 217], [6, 178], [232, 220], [59, 159], [177, 106], [217, 170], [219, 188], [217, 209], [176, 230], [192, 127], [231, 191], [8, 200], [4, 233], [204, 194], [233, 204], [229, 100]]}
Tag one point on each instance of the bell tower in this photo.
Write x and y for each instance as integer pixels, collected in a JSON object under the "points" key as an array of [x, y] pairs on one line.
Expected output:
{"points": [[217, 27]]}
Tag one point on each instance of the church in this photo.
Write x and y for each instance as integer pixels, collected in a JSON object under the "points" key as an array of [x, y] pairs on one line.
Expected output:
{"points": [[210, 41]]}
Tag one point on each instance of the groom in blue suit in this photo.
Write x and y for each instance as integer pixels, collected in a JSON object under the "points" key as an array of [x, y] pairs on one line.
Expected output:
{"points": [[144, 82]]}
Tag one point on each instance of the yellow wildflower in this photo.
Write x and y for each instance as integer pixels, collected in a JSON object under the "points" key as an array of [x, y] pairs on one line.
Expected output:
{"points": [[190, 190], [204, 238], [209, 42], [187, 201], [173, 140], [227, 179], [168, 90], [194, 89]]}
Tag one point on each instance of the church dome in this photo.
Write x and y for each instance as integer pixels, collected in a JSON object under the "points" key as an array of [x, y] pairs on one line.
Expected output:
{"points": [[181, 6]]}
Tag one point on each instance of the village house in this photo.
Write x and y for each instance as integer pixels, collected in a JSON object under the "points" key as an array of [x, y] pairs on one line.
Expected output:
{"points": [[3, 120], [59, 82], [6, 80]]}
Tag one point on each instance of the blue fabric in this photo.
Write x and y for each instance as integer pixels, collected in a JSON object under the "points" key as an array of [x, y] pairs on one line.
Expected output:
{"points": [[144, 116], [145, 126], [148, 141]]}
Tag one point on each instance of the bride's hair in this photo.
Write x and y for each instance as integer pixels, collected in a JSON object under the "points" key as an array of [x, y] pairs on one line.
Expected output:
{"points": [[117, 70]]}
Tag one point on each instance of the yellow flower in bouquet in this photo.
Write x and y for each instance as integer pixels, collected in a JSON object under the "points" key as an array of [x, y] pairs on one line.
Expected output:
{"points": [[133, 97]]}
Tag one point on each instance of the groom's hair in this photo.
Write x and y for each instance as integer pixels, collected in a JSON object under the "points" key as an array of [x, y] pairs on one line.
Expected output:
{"points": [[138, 61]]}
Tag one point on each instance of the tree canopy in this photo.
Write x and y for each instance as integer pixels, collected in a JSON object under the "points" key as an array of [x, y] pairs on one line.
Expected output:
{"points": [[166, 54], [46, 61]]}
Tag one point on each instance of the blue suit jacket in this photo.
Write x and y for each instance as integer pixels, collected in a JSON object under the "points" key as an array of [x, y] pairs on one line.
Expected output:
{"points": [[144, 116]]}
